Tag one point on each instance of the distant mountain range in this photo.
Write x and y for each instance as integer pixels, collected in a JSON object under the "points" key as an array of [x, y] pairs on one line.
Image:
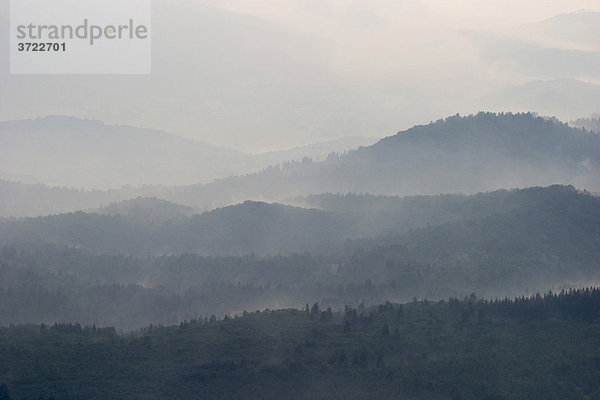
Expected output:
{"points": [[66, 151], [85, 153], [458, 154], [152, 227]]}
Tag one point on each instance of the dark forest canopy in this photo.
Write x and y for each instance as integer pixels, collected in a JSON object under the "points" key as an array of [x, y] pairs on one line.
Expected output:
{"points": [[539, 347]]}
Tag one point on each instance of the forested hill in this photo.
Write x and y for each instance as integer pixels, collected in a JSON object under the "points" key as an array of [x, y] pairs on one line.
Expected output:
{"points": [[250, 227], [399, 214], [469, 154], [496, 244], [522, 137], [131, 227], [543, 347], [146, 210]]}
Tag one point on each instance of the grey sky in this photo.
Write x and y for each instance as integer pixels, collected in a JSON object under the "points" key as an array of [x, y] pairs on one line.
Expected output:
{"points": [[274, 74]]}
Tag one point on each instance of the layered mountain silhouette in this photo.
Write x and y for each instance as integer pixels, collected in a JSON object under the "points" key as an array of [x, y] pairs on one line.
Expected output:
{"points": [[258, 255], [469, 154], [78, 153], [154, 227], [458, 154], [69, 151]]}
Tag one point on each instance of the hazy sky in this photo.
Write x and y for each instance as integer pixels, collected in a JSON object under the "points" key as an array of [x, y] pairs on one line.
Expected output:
{"points": [[260, 75]]}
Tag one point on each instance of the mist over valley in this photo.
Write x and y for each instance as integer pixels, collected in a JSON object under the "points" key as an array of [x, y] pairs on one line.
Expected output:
{"points": [[301, 200]]}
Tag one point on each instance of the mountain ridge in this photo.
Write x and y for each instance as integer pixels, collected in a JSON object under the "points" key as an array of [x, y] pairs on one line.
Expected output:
{"points": [[322, 225], [470, 154], [410, 163]]}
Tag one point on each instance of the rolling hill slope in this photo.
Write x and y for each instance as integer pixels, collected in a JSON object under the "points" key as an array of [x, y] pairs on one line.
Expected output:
{"points": [[67, 267], [470, 154]]}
